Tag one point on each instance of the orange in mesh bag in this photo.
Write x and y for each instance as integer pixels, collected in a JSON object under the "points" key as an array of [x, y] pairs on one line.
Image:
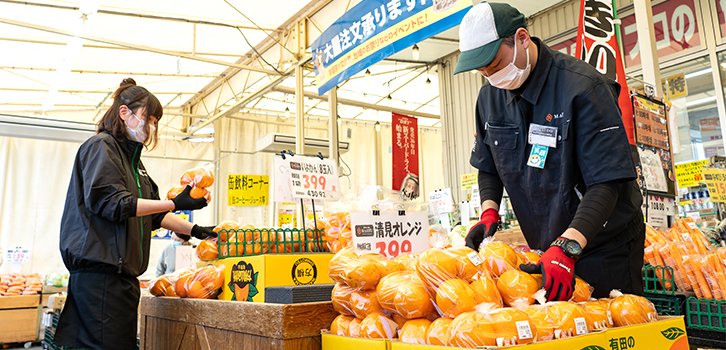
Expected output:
{"points": [[628, 309], [598, 315], [340, 325], [163, 286], [439, 332], [197, 177], [378, 326], [570, 319], [486, 291], [205, 283], [498, 257], [414, 331], [207, 250], [454, 297], [341, 299], [517, 287], [582, 291]]}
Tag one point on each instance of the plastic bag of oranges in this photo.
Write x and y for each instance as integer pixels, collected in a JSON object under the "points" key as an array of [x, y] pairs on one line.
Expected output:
{"points": [[492, 327], [439, 332], [598, 315], [199, 179], [207, 250], [163, 286], [435, 266], [569, 319], [628, 309], [404, 293], [583, 290], [541, 319], [414, 331], [498, 256], [226, 229], [517, 287], [341, 325], [204, 283], [378, 326], [336, 231]]}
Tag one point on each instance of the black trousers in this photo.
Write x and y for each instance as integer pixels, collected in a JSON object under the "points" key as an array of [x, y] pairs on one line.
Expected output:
{"points": [[101, 312], [617, 264]]}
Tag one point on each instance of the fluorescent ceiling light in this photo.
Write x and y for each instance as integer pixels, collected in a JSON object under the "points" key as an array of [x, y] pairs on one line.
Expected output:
{"points": [[701, 101], [698, 73], [207, 130]]}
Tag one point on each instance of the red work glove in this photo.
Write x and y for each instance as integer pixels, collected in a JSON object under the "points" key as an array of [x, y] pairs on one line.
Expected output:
{"points": [[486, 227], [558, 273]]}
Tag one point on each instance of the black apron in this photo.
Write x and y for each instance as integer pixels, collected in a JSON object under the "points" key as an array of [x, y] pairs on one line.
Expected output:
{"points": [[101, 312]]}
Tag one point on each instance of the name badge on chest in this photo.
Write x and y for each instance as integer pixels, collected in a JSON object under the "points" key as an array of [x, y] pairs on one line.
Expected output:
{"points": [[542, 135], [538, 156]]}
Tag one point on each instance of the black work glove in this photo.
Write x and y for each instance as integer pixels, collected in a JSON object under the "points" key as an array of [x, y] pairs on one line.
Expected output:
{"points": [[203, 232], [183, 201], [486, 227]]}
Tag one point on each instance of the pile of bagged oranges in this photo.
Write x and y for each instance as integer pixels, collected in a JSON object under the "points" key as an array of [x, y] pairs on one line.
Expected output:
{"points": [[201, 283], [459, 297]]}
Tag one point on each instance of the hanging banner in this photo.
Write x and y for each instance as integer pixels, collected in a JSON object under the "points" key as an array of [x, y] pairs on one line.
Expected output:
{"points": [[689, 174], [597, 44], [247, 190], [405, 155], [376, 29], [390, 233]]}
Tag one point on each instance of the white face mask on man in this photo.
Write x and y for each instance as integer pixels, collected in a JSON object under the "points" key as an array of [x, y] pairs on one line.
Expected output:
{"points": [[510, 77], [138, 133]]}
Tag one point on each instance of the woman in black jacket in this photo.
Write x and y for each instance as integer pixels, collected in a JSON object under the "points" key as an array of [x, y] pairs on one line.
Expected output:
{"points": [[111, 208]]}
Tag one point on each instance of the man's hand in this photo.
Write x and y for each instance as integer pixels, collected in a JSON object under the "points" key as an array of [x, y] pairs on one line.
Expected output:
{"points": [[558, 273], [203, 232], [486, 227]]}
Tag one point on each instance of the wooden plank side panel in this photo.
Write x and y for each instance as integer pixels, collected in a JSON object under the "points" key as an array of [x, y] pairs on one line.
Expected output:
{"points": [[19, 301], [18, 325]]}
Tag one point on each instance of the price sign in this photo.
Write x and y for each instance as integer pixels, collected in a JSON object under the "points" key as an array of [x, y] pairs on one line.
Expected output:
{"points": [[659, 208], [468, 180], [18, 255], [312, 177], [689, 174], [390, 233], [247, 190], [440, 201], [715, 179], [185, 256]]}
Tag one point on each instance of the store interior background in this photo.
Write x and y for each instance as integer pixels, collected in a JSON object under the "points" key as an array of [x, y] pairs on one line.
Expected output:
{"points": [[691, 36]]}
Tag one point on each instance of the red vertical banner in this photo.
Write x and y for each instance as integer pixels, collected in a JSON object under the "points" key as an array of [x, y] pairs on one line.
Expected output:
{"points": [[405, 155], [597, 44]]}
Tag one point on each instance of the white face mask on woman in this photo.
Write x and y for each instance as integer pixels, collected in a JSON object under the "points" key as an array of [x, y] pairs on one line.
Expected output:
{"points": [[510, 77], [138, 133]]}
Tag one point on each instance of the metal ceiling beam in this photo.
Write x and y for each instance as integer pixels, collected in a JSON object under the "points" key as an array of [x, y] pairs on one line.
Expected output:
{"points": [[72, 91], [90, 71], [360, 104], [142, 15], [134, 46]]}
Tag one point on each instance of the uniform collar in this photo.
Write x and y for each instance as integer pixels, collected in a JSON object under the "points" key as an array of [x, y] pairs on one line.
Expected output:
{"points": [[532, 88], [129, 146]]}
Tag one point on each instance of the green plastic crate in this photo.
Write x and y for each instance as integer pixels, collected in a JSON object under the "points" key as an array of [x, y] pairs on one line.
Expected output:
{"points": [[667, 305], [659, 285], [708, 314], [267, 241]]}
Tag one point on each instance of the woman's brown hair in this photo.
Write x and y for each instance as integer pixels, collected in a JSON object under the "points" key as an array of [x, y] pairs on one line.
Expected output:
{"points": [[134, 97]]}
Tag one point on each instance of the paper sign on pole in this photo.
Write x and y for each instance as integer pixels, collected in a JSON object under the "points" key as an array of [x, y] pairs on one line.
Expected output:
{"points": [[441, 202], [468, 180], [312, 177], [185, 257], [247, 190], [390, 233], [659, 208], [689, 173]]}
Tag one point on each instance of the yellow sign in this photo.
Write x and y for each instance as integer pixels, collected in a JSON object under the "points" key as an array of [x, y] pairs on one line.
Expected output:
{"points": [[246, 278], [689, 174], [715, 179], [247, 190], [675, 86], [468, 181]]}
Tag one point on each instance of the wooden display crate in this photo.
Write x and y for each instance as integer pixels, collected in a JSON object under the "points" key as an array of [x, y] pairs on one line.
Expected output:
{"points": [[197, 324], [19, 318]]}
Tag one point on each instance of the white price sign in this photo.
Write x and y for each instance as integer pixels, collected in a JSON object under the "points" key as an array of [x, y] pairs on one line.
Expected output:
{"points": [[659, 208], [18, 255], [312, 177], [390, 233], [185, 256], [441, 201]]}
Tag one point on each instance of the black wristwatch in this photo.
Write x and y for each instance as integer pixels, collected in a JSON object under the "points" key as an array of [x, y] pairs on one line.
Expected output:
{"points": [[569, 246]]}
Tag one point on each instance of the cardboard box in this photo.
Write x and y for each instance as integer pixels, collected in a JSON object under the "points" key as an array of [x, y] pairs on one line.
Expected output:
{"points": [[333, 342], [246, 278]]}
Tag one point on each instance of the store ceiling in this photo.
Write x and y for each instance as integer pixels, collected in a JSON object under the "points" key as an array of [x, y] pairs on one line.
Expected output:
{"points": [[175, 49]]}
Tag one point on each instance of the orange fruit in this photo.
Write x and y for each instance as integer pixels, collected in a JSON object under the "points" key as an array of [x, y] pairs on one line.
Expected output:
{"points": [[408, 261], [162, 287], [341, 299], [207, 250], [542, 321], [199, 177], [438, 332], [389, 266], [414, 331], [436, 266], [210, 277], [180, 285], [198, 192], [400, 320], [455, 297], [569, 318], [498, 257], [378, 326], [597, 315], [354, 328], [517, 287], [466, 269], [195, 289], [388, 287], [174, 191], [486, 291], [242, 243], [364, 303], [340, 325], [411, 299], [530, 257], [505, 323], [225, 229], [339, 264], [471, 330], [362, 274], [582, 291], [538, 277], [629, 309]]}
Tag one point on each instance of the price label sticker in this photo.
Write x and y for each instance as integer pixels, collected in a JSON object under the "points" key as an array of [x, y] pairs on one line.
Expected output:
{"points": [[692, 225], [580, 325], [313, 178], [390, 233], [524, 331], [475, 258]]}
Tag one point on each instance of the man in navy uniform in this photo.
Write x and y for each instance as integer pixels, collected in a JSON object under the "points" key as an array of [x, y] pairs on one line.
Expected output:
{"points": [[549, 131]]}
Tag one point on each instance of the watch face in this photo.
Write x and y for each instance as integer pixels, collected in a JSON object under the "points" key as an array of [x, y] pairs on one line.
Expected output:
{"points": [[572, 247]]}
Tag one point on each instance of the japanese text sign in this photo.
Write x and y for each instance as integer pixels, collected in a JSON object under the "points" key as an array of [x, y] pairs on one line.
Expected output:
{"points": [[248, 190], [21, 255], [312, 177], [659, 209], [651, 123], [390, 233], [405, 155], [689, 174], [468, 180], [675, 86], [376, 29], [441, 202], [715, 180]]}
